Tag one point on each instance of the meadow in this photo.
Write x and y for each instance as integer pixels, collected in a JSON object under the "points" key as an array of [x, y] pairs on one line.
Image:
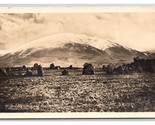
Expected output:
{"points": [[134, 92]]}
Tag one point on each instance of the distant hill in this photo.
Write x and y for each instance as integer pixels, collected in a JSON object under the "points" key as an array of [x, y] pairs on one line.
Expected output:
{"points": [[70, 49]]}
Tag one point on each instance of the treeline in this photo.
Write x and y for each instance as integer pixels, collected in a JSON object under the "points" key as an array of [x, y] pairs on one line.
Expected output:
{"points": [[138, 65]]}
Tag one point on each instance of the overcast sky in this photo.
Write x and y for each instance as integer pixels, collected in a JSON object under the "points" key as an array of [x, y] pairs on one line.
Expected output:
{"points": [[135, 30]]}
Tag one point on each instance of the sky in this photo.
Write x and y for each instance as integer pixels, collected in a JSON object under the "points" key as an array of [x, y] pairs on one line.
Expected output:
{"points": [[132, 29]]}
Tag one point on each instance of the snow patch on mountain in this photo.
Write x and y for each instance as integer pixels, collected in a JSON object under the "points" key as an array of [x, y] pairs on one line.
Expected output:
{"points": [[60, 40]]}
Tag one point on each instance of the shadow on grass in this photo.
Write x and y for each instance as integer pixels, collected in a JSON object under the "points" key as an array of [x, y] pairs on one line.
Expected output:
{"points": [[24, 100]]}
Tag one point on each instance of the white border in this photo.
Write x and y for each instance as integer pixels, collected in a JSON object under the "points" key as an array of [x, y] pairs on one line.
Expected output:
{"points": [[106, 115], [74, 10], [78, 2]]}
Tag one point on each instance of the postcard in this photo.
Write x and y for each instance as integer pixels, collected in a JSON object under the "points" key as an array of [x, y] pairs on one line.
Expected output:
{"points": [[77, 62]]}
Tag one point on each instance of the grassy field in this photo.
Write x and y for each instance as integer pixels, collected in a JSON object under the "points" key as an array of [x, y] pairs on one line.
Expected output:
{"points": [[78, 93]]}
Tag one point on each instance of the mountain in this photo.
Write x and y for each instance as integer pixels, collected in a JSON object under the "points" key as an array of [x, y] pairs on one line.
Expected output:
{"points": [[69, 49]]}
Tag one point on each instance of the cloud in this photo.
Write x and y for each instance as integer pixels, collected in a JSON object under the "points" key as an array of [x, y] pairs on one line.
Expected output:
{"points": [[1, 45], [135, 30]]}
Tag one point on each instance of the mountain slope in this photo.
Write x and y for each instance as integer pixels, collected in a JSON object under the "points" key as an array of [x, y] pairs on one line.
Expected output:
{"points": [[69, 49], [59, 40]]}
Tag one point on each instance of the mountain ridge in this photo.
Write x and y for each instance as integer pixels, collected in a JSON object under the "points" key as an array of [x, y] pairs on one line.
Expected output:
{"points": [[70, 49]]}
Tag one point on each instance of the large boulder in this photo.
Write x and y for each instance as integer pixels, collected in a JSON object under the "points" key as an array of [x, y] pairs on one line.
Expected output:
{"points": [[109, 69], [40, 71], [52, 66], [65, 72], [35, 66], [120, 70], [88, 69], [28, 73]]}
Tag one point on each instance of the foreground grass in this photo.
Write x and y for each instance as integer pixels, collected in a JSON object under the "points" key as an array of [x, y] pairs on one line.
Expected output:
{"points": [[78, 93]]}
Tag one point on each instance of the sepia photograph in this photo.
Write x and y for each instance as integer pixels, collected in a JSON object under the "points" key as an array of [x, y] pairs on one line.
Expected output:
{"points": [[77, 62]]}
